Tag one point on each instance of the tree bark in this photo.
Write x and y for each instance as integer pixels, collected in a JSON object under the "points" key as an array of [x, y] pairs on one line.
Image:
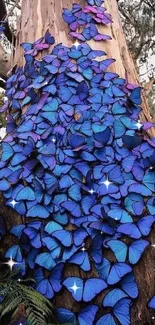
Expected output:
{"points": [[3, 12], [36, 17]]}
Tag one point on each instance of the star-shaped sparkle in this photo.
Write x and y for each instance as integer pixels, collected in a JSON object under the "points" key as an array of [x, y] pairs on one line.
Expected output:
{"points": [[91, 191], [13, 203], [76, 44], [11, 263], [107, 183], [83, 249], [139, 125], [54, 140], [75, 288]]}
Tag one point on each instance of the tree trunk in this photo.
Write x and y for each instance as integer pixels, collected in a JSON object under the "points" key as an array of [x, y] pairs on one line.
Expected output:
{"points": [[37, 16]]}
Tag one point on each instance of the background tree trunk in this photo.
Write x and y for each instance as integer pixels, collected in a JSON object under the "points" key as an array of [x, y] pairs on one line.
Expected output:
{"points": [[36, 17]]}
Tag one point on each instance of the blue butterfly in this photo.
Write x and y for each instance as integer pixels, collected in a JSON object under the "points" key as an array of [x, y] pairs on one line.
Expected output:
{"points": [[32, 230], [135, 96], [85, 290], [129, 285], [143, 227], [48, 286], [7, 151], [121, 310], [45, 260], [17, 230], [97, 3], [112, 273], [81, 259], [151, 303], [26, 193], [14, 253], [133, 253], [38, 211], [67, 237], [85, 316]]}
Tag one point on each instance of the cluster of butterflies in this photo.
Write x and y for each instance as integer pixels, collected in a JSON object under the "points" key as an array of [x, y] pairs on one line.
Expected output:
{"points": [[77, 157], [85, 19]]}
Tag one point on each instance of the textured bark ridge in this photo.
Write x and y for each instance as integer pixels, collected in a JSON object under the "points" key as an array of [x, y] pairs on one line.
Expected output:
{"points": [[38, 16]]}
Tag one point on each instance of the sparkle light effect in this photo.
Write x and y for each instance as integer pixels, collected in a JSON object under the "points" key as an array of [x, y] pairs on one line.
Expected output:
{"points": [[11, 263], [83, 249], [139, 125], [91, 191], [75, 288], [107, 183], [76, 44], [54, 140], [13, 203]]}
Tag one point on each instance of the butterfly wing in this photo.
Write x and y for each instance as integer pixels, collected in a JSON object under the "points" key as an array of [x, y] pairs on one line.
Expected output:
{"points": [[81, 259], [151, 303], [122, 311], [129, 285], [65, 316], [45, 260], [93, 287], [64, 236], [119, 249], [106, 320], [113, 297], [136, 250], [75, 286], [87, 315], [117, 272]]}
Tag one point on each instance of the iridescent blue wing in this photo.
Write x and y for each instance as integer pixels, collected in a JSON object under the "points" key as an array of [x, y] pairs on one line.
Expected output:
{"points": [[72, 207], [81, 259], [26, 194], [87, 315], [38, 211], [136, 250], [17, 230], [119, 248], [52, 226], [103, 268], [45, 288], [135, 96], [65, 316], [122, 311], [118, 270], [149, 180], [92, 288], [64, 236], [79, 235], [151, 303], [113, 297], [129, 285], [131, 142], [14, 253], [145, 224], [130, 229], [7, 151], [106, 320], [56, 276], [45, 260], [75, 286]]}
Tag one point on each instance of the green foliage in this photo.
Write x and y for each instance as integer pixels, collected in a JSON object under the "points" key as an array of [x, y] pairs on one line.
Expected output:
{"points": [[37, 308]]}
